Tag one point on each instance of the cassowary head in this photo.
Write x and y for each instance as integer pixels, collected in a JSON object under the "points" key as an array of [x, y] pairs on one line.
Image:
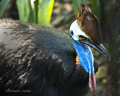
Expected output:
{"points": [[85, 32]]}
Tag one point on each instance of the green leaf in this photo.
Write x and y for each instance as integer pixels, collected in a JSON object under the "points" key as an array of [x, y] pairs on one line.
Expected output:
{"points": [[44, 11], [76, 3], [23, 10], [35, 11], [96, 8], [32, 14], [3, 5], [104, 80]]}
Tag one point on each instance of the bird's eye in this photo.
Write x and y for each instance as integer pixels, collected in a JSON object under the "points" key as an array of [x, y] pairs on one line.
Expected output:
{"points": [[71, 32], [81, 37]]}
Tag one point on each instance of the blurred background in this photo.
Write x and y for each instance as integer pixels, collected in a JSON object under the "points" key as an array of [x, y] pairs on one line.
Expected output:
{"points": [[60, 14]]}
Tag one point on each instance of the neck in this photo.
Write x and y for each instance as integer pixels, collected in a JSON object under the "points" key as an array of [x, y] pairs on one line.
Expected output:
{"points": [[85, 56]]}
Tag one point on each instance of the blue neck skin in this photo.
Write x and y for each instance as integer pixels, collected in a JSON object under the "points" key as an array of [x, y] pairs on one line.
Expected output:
{"points": [[85, 55]]}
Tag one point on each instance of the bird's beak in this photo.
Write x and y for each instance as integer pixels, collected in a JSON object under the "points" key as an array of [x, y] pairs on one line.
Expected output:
{"points": [[99, 47]]}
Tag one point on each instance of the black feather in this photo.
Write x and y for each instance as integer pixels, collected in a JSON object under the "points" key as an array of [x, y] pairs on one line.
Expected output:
{"points": [[38, 61]]}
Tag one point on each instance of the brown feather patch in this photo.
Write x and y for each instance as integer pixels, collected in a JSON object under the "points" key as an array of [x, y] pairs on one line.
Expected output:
{"points": [[88, 23]]}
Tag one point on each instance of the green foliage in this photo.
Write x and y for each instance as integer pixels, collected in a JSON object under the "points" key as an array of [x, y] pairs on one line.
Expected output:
{"points": [[96, 8], [39, 11], [35, 11], [76, 3], [3, 5], [23, 9], [44, 13]]}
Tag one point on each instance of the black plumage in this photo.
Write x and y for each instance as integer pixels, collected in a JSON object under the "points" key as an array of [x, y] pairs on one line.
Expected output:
{"points": [[38, 61]]}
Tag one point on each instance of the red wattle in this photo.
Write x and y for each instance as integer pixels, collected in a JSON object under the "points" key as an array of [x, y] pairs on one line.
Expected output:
{"points": [[92, 82]]}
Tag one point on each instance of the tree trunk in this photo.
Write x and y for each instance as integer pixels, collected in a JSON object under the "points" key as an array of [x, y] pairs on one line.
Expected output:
{"points": [[110, 25]]}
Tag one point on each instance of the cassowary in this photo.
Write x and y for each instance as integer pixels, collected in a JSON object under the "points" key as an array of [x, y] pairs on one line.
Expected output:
{"points": [[41, 61]]}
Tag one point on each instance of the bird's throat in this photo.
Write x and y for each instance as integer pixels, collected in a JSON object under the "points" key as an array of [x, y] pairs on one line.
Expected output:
{"points": [[85, 59], [85, 56], [92, 80]]}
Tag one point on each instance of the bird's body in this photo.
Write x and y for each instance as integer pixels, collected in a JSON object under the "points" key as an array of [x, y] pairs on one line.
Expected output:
{"points": [[38, 61]]}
